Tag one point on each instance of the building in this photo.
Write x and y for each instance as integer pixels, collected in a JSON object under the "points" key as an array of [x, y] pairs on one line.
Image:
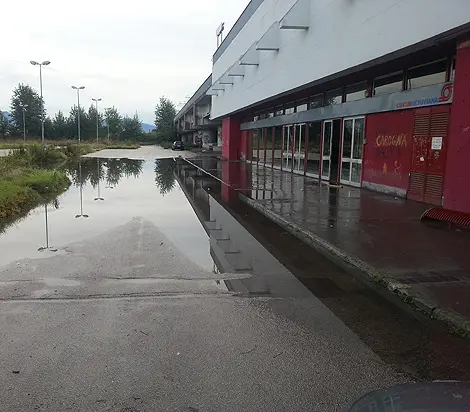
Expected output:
{"points": [[363, 92], [192, 122]]}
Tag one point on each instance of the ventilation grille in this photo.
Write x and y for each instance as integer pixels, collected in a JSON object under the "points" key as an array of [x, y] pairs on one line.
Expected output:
{"points": [[433, 191], [421, 125], [439, 124]]}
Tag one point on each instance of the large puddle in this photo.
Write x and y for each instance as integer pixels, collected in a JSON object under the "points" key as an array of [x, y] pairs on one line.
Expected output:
{"points": [[207, 224], [107, 193]]}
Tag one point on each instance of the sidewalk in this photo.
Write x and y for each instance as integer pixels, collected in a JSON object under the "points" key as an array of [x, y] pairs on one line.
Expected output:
{"points": [[428, 266]]}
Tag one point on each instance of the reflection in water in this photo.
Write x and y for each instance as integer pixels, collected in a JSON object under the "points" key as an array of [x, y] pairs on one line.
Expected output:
{"points": [[165, 175], [99, 178], [80, 181], [94, 170], [47, 247]]}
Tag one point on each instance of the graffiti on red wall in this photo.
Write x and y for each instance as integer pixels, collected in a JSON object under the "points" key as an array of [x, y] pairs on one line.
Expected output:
{"points": [[387, 155]]}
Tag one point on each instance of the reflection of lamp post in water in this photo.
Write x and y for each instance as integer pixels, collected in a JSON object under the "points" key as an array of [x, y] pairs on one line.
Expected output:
{"points": [[99, 195], [81, 192], [47, 234]]}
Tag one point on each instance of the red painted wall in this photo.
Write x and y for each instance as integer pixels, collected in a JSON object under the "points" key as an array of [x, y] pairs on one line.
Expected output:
{"points": [[231, 137], [457, 175], [387, 154]]}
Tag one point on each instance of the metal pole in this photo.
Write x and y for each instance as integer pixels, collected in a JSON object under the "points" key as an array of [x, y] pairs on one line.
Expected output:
{"points": [[78, 116], [42, 107], [97, 127], [24, 124], [108, 129]]}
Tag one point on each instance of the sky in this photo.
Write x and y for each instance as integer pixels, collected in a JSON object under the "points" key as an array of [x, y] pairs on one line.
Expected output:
{"points": [[129, 54]]}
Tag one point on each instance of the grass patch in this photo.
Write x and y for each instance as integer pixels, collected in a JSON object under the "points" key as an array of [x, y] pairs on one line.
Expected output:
{"points": [[24, 183], [87, 146]]}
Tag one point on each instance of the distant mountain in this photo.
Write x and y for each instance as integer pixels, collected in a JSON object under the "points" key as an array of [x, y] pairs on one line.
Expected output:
{"points": [[147, 128]]}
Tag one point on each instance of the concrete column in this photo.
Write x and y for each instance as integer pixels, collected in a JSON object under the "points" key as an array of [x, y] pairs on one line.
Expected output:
{"points": [[457, 181], [231, 136]]}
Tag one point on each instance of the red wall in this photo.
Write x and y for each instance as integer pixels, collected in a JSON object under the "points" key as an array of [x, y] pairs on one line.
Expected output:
{"points": [[387, 154], [231, 137], [457, 175]]}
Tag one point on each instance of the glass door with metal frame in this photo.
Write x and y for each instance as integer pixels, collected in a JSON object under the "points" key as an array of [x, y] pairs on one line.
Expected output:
{"points": [[299, 149], [326, 151], [351, 158], [289, 147]]}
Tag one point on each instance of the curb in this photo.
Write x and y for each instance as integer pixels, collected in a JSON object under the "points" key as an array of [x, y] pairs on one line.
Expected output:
{"points": [[458, 324]]}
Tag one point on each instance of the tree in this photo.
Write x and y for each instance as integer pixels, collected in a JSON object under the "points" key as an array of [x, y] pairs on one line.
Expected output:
{"points": [[114, 119], [165, 113], [72, 122], [25, 95], [59, 126], [4, 125], [131, 127]]}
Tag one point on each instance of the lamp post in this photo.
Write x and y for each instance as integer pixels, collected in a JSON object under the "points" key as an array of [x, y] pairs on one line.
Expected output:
{"points": [[78, 88], [44, 63], [107, 119], [99, 179], [23, 107], [97, 117]]}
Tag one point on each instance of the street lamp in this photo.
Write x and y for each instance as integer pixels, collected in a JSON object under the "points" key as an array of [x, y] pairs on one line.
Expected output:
{"points": [[107, 119], [23, 107], [78, 88], [97, 127], [99, 178], [44, 63]]}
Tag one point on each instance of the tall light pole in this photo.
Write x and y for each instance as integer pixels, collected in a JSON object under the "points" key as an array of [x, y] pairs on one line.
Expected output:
{"points": [[97, 116], [78, 88], [23, 107], [107, 119], [44, 63]]}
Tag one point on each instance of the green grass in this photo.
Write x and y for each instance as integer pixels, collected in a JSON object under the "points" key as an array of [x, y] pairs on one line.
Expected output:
{"points": [[24, 183]]}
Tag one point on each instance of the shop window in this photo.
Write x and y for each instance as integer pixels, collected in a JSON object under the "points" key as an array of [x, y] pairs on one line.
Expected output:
{"points": [[388, 84], [316, 101], [334, 97], [428, 74], [356, 91]]}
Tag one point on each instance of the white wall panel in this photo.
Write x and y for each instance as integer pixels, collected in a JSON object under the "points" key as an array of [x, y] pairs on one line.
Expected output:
{"points": [[342, 34]]}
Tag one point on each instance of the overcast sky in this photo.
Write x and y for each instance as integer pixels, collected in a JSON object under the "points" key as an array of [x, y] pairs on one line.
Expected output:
{"points": [[127, 53]]}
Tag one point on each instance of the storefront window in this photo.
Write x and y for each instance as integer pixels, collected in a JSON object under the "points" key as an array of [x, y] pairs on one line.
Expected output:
{"points": [[277, 146], [316, 101], [356, 92], [313, 153], [388, 84], [334, 97], [428, 74]]}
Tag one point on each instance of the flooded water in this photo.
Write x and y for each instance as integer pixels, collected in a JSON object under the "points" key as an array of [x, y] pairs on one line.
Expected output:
{"points": [[106, 193], [207, 224]]}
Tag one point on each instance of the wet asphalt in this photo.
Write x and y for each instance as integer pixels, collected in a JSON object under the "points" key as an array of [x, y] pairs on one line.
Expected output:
{"points": [[136, 307]]}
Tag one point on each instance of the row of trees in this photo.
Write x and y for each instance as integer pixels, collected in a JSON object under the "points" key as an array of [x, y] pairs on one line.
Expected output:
{"points": [[26, 107]]}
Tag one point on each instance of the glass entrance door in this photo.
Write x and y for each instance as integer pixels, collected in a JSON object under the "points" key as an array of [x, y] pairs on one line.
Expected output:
{"points": [[289, 147], [326, 151], [299, 150], [351, 159]]}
